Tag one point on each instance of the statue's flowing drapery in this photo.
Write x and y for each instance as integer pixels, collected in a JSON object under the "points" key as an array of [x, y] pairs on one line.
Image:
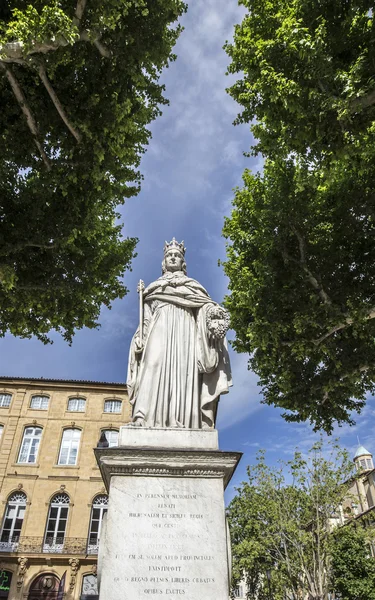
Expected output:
{"points": [[177, 380]]}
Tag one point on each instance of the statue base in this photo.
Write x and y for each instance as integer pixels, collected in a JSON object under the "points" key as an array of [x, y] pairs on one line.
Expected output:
{"points": [[165, 534]]}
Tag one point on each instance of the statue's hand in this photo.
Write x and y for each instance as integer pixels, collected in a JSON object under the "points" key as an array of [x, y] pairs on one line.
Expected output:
{"points": [[217, 320], [138, 345]]}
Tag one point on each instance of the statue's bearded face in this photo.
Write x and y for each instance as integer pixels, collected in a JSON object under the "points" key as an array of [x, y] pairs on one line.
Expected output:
{"points": [[173, 261]]}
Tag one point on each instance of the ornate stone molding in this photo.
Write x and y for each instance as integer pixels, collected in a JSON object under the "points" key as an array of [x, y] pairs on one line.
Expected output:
{"points": [[22, 568], [150, 462], [74, 566], [167, 472]]}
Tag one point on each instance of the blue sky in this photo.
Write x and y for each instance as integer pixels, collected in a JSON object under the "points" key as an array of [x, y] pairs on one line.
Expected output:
{"points": [[194, 161]]}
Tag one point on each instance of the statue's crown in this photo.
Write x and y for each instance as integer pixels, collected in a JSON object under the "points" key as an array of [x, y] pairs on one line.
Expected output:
{"points": [[174, 245]]}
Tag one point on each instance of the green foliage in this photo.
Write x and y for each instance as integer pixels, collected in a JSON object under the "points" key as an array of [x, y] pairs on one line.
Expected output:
{"points": [[307, 71], [302, 233], [30, 26], [352, 566], [79, 84], [280, 522]]}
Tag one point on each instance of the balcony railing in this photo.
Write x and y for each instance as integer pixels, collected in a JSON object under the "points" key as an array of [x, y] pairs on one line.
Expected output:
{"points": [[55, 545]]}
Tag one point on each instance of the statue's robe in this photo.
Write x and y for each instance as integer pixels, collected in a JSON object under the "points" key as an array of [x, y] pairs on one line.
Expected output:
{"points": [[182, 371]]}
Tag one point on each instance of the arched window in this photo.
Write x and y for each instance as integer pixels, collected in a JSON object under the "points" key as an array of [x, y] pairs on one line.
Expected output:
{"points": [[56, 523], [112, 406], [30, 445], [69, 447], [5, 400], [111, 436], [76, 405], [98, 510], [45, 586], [12, 525], [39, 402]]}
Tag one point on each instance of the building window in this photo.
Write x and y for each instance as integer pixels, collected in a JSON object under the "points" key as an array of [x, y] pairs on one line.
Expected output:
{"points": [[69, 447], [30, 445], [1, 431], [45, 586], [112, 406], [12, 525], [238, 592], [56, 523], [5, 400], [76, 405], [39, 402], [89, 588], [366, 464], [111, 436], [98, 510], [5, 583]]}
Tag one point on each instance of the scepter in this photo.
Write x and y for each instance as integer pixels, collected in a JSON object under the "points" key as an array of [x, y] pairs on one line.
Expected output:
{"points": [[140, 288]]}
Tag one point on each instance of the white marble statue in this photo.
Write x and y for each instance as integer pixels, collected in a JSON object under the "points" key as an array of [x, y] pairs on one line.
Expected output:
{"points": [[178, 361]]}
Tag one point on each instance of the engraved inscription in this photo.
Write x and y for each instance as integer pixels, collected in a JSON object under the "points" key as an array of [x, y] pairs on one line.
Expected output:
{"points": [[169, 535]]}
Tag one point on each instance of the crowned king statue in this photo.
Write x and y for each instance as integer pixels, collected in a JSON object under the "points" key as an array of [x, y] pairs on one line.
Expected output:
{"points": [[178, 362]]}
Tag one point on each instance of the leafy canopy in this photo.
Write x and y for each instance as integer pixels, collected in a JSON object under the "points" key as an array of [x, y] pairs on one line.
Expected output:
{"points": [[300, 257], [281, 521], [79, 84], [352, 566]]}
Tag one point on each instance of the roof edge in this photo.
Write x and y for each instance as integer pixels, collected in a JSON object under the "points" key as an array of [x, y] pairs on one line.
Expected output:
{"points": [[362, 451], [61, 381]]}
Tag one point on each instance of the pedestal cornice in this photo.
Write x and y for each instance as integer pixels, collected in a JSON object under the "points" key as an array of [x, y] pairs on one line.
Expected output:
{"points": [[166, 462]]}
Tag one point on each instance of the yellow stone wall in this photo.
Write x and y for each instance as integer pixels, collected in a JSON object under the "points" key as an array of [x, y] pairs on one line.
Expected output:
{"points": [[40, 481]]}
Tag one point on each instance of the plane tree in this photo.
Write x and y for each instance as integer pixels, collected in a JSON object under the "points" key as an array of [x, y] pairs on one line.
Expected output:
{"points": [[301, 234], [79, 85]]}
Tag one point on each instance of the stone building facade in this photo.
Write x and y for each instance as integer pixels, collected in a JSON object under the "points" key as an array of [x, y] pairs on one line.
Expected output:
{"points": [[52, 497]]}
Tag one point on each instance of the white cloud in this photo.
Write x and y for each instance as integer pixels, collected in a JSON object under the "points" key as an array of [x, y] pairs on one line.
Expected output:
{"points": [[116, 323], [244, 397], [198, 121], [232, 153]]}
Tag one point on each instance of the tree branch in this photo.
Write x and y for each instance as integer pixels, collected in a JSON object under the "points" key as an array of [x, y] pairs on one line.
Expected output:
{"points": [[27, 112], [34, 287], [16, 247], [310, 277], [14, 51], [322, 87], [37, 245], [363, 101], [102, 49], [314, 282], [348, 321], [80, 9], [57, 103], [361, 369], [85, 37]]}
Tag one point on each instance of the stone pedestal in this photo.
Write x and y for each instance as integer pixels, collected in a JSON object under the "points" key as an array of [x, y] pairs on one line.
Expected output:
{"points": [[165, 535]]}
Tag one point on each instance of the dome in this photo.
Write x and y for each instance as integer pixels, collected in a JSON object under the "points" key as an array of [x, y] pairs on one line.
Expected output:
{"points": [[361, 451]]}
